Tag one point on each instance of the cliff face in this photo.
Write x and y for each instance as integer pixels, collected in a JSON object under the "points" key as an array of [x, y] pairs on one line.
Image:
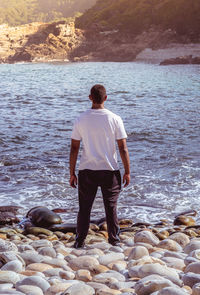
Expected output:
{"points": [[40, 42]]}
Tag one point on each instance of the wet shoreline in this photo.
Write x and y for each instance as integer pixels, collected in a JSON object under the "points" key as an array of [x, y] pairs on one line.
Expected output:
{"points": [[40, 261]]}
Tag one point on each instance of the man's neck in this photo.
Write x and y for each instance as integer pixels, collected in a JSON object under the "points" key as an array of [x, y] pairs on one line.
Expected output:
{"points": [[97, 106]]}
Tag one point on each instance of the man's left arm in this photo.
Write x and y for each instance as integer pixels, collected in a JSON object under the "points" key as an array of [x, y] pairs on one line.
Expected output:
{"points": [[123, 150], [75, 145]]}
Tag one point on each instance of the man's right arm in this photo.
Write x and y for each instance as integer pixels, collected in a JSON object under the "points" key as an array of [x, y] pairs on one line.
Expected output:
{"points": [[75, 145], [123, 150]]}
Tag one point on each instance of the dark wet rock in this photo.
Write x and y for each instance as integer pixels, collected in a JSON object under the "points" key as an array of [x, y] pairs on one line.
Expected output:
{"points": [[38, 231], [61, 210], [8, 214], [43, 217], [98, 221], [8, 229], [182, 60], [8, 218], [184, 220], [125, 222], [8, 208], [196, 226], [134, 226], [94, 227], [64, 227], [188, 213]]}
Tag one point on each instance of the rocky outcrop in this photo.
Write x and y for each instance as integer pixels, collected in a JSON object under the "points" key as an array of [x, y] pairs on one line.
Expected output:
{"points": [[38, 42], [62, 41], [182, 60]]}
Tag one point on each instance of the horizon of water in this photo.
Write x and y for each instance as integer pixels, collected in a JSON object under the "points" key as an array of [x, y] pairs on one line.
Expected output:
{"points": [[161, 113]]}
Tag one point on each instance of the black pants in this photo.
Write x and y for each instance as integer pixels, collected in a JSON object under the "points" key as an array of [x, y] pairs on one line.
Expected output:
{"points": [[88, 183]]}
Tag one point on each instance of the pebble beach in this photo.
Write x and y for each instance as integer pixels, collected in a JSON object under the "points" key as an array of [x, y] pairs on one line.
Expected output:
{"points": [[162, 259]]}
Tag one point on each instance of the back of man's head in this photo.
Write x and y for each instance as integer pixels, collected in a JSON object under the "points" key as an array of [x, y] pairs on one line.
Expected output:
{"points": [[98, 93]]}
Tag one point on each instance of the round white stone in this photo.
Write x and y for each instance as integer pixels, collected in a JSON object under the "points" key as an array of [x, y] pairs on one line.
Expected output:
{"points": [[79, 289], [29, 289], [151, 284], [193, 245], [9, 277], [103, 277], [193, 267], [31, 257], [146, 237], [134, 271], [83, 262], [195, 254], [7, 246], [110, 258], [67, 275], [166, 272], [47, 251], [172, 291], [181, 238], [170, 245], [34, 281], [190, 279], [14, 265], [138, 252], [174, 262], [41, 243]]}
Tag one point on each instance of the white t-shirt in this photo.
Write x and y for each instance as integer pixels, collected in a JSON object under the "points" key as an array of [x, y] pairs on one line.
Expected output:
{"points": [[98, 129]]}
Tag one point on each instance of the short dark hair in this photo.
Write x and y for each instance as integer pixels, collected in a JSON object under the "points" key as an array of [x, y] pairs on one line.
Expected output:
{"points": [[98, 93]]}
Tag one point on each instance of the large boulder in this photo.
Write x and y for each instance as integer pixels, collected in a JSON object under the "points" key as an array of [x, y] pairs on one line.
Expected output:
{"points": [[43, 217]]}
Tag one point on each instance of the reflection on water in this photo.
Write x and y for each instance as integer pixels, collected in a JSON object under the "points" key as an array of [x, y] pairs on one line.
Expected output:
{"points": [[159, 106]]}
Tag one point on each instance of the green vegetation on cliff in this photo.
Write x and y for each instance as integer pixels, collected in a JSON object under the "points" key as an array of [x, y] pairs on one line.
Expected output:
{"points": [[17, 12], [138, 15]]}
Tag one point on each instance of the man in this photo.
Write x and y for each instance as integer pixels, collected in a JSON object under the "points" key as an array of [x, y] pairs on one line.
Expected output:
{"points": [[99, 129]]}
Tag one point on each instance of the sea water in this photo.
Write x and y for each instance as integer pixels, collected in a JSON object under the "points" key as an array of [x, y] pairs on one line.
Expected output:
{"points": [[160, 107]]}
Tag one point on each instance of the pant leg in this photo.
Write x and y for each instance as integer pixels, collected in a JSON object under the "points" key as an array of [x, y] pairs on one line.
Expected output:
{"points": [[111, 186], [87, 189]]}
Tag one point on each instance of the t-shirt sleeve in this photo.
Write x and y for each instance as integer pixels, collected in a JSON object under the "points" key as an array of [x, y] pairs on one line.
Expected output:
{"points": [[75, 132], [120, 130]]}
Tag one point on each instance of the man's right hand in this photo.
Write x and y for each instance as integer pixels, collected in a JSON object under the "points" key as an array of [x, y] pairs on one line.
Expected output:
{"points": [[73, 181], [126, 179]]}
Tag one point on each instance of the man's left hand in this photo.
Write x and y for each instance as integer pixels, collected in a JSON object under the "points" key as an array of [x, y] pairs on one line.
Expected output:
{"points": [[73, 181]]}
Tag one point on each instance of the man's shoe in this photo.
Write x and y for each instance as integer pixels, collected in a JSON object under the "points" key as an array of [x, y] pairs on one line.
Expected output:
{"points": [[78, 244]]}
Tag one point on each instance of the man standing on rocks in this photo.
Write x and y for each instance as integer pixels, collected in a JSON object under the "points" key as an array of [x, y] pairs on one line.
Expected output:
{"points": [[99, 129]]}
